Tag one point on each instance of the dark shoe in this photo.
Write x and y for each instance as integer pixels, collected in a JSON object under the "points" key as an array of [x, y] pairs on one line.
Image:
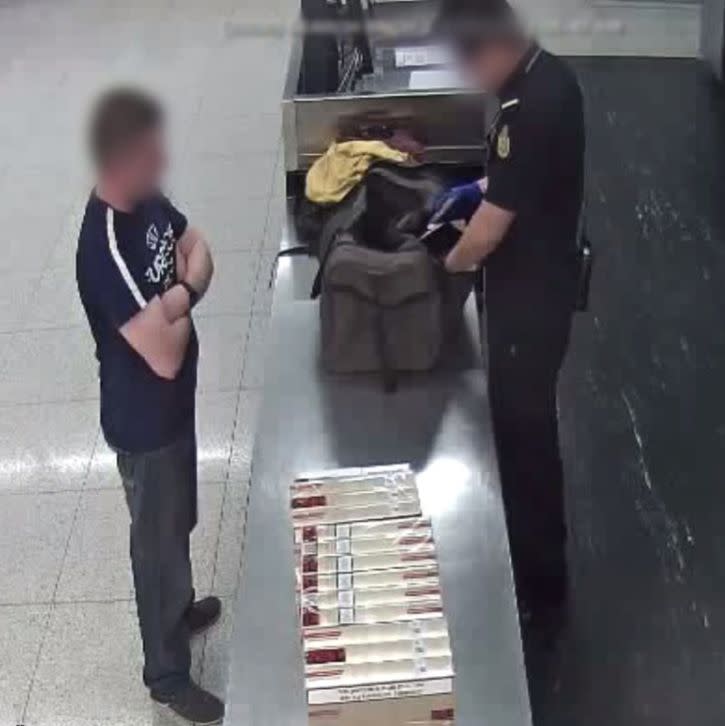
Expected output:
{"points": [[203, 614], [195, 705]]}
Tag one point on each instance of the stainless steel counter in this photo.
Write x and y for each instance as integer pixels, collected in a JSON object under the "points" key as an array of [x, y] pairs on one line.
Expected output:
{"points": [[439, 424]]}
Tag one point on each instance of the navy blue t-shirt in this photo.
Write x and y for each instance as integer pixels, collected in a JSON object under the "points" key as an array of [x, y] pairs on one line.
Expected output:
{"points": [[123, 261]]}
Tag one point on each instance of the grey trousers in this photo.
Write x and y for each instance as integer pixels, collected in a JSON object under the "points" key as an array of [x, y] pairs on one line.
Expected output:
{"points": [[160, 488]]}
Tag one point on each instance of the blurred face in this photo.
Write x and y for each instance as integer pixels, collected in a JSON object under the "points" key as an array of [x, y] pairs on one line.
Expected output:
{"points": [[139, 170], [490, 66]]}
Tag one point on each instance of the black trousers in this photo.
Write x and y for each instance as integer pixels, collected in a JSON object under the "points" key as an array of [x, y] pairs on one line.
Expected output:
{"points": [[526, 349], [160, 488]]}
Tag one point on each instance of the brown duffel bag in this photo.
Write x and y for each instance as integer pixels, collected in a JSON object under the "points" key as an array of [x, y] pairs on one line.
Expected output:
{"points": [[386, 302]]}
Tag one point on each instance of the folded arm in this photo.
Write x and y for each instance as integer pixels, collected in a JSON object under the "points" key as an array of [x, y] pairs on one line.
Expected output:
{"points": [[195, 267], [196, 261], [158, 329], [160, 342]]}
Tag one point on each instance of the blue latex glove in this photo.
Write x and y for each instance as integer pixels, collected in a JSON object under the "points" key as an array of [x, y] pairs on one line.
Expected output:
{"points": [[460, 203]]}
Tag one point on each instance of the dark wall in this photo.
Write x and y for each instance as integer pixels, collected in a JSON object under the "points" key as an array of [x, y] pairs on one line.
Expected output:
{"points": [[643, 411]]}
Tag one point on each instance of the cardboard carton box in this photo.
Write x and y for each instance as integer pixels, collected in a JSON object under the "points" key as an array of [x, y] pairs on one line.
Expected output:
{"points": [[370, 476], [400, 693], [385, 508], [350, 613], [396, 529], [376, 644], [413, 703], [366, 545], [422, 556], [354, 495], [370, 597], [345, 499], [344, 675], [391, 650], [409, 577], [350, 485], [373, 633]]}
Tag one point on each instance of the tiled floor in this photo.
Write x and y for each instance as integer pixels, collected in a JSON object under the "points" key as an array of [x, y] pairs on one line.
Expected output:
{"points": [[69, 642]]}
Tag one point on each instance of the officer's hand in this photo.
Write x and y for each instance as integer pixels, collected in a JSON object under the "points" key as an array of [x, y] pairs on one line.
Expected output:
{"points": [[460, 203]]}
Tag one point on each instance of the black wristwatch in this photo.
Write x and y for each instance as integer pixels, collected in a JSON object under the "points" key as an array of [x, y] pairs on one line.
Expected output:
{"points": [[193, 294]]}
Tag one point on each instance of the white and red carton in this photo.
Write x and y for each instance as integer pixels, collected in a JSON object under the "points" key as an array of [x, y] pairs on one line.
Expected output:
{"points": [[345, 675], [317, 656], [315, 511], [419, 702], [409, 578], [364, 537], [388, 528], [348, 612], [375, 639], [382, 493], [366, 479], [410, 692], [374, 633], [423, 555], [398, 674], [336, 591]]}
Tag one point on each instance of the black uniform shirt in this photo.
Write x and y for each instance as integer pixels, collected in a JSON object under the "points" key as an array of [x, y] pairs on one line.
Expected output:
{"points": [[535, 168]]}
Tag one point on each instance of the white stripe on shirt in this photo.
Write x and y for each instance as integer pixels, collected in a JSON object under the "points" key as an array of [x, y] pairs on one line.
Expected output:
{"points": [[120, 262]]}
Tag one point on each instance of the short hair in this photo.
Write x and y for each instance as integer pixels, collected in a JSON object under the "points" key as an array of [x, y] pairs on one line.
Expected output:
{"points": [[472, 24], [120, 116]]}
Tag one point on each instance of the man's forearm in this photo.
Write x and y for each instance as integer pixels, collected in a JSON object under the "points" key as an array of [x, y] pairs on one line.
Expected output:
{"points": [[199, 265], [194, 267], [481, 237], [470, 251], [160, 343], [181, 333], [177, 340], [176, 303]]}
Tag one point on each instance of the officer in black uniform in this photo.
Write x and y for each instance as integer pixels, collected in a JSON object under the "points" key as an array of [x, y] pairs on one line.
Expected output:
{"points": [[524, 230]]}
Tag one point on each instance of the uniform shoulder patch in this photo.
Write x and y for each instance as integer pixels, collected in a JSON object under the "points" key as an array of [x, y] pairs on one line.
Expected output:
{"points": [[503, 143]]}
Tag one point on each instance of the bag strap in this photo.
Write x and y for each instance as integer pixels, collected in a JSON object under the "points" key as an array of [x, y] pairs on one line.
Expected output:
{"points": [[342, 219], [296, 251], [390, 375]]}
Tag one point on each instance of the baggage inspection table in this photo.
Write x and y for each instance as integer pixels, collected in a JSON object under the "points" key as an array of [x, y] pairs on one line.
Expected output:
{"points": [[439, 424]]}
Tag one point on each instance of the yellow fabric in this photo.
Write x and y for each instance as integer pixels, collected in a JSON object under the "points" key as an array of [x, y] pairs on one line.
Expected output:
{"points": [[342, 167]]}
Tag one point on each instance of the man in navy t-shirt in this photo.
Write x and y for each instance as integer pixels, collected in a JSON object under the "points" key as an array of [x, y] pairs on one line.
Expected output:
{"points": [[140, 270]]}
